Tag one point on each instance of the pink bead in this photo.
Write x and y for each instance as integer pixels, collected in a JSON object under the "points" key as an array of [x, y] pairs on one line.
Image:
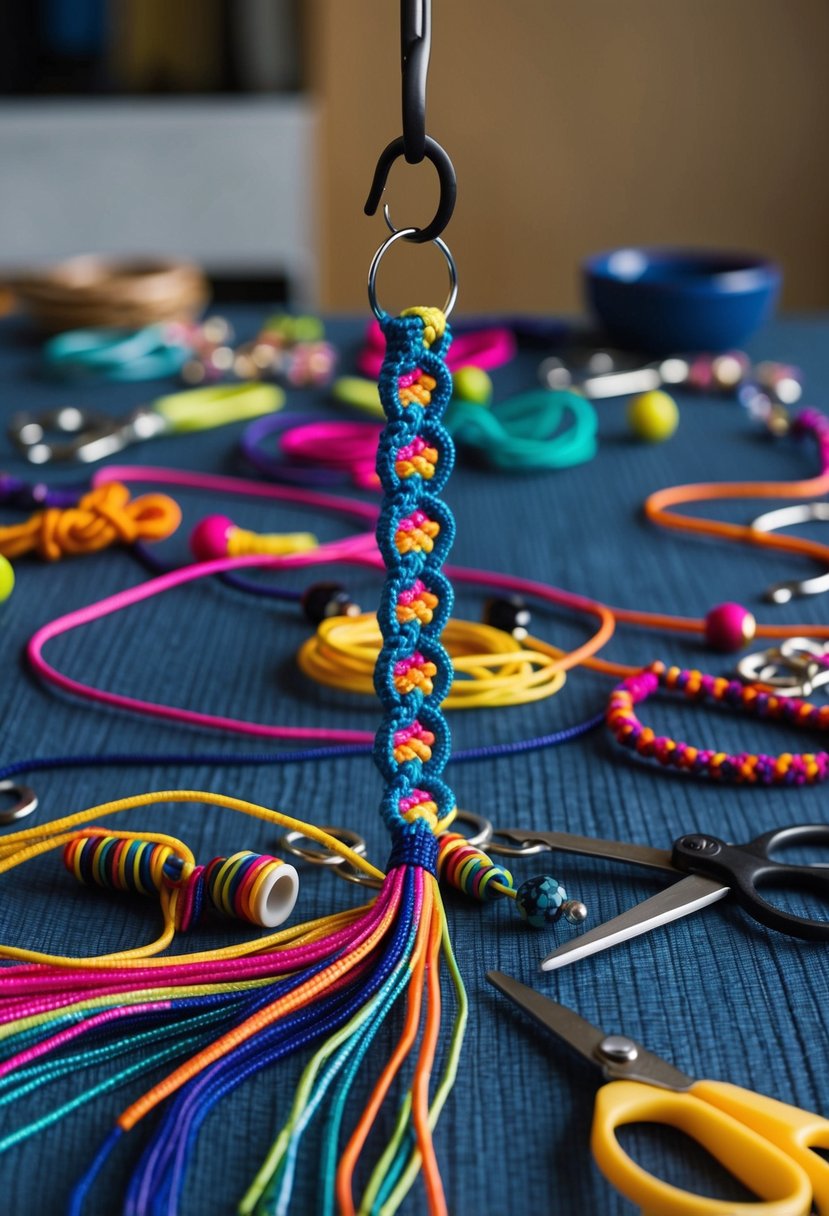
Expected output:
{"points": [[209, 537], [729, 626]]}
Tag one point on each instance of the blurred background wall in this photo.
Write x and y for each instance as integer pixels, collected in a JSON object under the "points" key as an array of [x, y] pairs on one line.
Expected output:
{"points": [[245, 133]]}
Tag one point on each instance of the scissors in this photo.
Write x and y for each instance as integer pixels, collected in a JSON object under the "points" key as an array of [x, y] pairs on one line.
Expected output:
{"points": [[763, 1143], [712, 869], [601, 373], [87, 436]]}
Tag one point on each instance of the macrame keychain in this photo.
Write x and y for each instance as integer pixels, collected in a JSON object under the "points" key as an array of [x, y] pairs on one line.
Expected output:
{"points": [[334, 982]]}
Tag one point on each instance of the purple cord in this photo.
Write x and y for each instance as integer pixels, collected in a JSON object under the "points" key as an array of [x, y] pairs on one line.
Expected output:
{"points": [[281, 469]]}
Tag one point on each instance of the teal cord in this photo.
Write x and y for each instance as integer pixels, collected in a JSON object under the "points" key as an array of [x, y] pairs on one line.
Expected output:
{"points": [[193, 1042], [24, 1081], [541, 429], [349, 1057]]}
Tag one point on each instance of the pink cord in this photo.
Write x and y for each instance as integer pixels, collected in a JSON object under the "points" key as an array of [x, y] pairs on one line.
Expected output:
{"points": [[72, 1032], [40, 977], [356, 550], [336, 551], [348, 447], [359, 549], [218, 484]]}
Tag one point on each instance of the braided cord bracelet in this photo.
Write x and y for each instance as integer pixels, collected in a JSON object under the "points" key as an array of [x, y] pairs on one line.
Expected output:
{"points": [[743, 768]]}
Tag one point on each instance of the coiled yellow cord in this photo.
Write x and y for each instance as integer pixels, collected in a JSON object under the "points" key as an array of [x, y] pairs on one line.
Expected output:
{"points": [[492, 668]]}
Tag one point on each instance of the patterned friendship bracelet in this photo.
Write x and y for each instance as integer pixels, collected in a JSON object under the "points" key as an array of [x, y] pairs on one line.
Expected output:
{"points": [[742, 768]]}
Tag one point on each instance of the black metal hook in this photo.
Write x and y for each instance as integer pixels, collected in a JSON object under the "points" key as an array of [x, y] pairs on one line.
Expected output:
{"points": [[415, 48], [446, 176]]}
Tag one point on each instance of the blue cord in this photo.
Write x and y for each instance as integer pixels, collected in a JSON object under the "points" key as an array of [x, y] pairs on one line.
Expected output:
{"points": [[334, 752]]}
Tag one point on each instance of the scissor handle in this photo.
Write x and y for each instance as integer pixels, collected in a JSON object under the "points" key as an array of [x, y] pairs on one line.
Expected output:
{"points": [[745, 868], [783, 1186]]}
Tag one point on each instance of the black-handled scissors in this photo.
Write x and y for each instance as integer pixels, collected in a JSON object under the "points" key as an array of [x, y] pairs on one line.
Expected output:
{"points": [[714, 869]]}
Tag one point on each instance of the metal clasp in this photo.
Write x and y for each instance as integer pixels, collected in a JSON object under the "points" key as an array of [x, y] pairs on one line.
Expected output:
{"points": [[795, 668], [414, 144], [415, 49], [787, 517]]}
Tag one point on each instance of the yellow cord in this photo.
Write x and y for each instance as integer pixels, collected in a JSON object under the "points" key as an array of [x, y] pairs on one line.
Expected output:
{"points": [[20, 847], [492, 668]]}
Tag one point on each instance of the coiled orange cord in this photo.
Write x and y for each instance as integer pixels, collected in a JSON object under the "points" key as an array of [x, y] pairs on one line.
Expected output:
{"points": [[103, 517]]}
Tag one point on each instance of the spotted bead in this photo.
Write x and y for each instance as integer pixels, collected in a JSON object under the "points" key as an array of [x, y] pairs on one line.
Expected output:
{"points": [[540, 900]]}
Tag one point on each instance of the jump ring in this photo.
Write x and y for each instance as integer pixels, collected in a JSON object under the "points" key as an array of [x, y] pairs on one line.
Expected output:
{"points": [[482, 834], [25, 805], [396, 235], [350, 874], [321, 856]]}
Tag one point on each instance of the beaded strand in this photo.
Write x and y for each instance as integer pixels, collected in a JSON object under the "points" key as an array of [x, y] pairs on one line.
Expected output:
{"points": [[741, 768]]}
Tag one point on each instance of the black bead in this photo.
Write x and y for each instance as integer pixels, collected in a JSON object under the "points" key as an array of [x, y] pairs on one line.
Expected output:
{"points": [[323, 600], [508, 613]]}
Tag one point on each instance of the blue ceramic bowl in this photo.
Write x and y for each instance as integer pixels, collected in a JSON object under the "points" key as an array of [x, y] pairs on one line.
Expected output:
{"points": [[676, 300]]}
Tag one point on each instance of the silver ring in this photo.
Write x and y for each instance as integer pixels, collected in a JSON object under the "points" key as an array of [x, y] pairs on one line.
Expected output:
{"points": [[483, 826], [320, 856], [348, 872], [26, 802], [378, 257], [481, 836]]}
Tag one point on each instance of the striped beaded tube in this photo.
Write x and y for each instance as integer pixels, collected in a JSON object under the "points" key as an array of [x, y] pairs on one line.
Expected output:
{"points": [[252, 887], [414, 533]]}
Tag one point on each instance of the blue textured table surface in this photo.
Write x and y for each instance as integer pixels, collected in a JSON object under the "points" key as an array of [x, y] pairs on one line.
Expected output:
{"points": [[715, 994]]}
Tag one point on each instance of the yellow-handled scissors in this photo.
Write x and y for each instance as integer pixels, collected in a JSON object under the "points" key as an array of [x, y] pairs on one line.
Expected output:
{"points": [[763, 1143]]}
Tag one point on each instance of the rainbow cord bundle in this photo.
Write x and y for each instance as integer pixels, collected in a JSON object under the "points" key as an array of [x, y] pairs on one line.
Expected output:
{"points": [[219, 1017]]}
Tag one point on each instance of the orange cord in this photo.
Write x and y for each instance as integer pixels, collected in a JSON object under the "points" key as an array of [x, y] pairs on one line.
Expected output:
{"points": [[295, 999], [420, 1085], [352, 1150], [103, 517]]}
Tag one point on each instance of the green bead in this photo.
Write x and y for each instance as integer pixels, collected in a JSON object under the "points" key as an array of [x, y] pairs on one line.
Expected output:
{"points": [[653, 416], [6, 579], [295, 329], [359, 393], [472, 384]]}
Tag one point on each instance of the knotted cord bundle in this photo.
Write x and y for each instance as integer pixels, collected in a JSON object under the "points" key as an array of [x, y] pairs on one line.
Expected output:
{"points": [[105, 516]]}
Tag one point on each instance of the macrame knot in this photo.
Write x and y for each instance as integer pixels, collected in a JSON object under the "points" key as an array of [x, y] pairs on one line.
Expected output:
{"points": [[103, 517], [413, 742], [434, 322], [416, 388], [414, 848], [419, 805], [416, 533], [416, 458], [416, 603]]}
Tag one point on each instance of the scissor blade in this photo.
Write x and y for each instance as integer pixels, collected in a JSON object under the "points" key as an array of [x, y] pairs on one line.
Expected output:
{"points": [[635, 1064], [575, 1030], [587, 846], [678, 900]]}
